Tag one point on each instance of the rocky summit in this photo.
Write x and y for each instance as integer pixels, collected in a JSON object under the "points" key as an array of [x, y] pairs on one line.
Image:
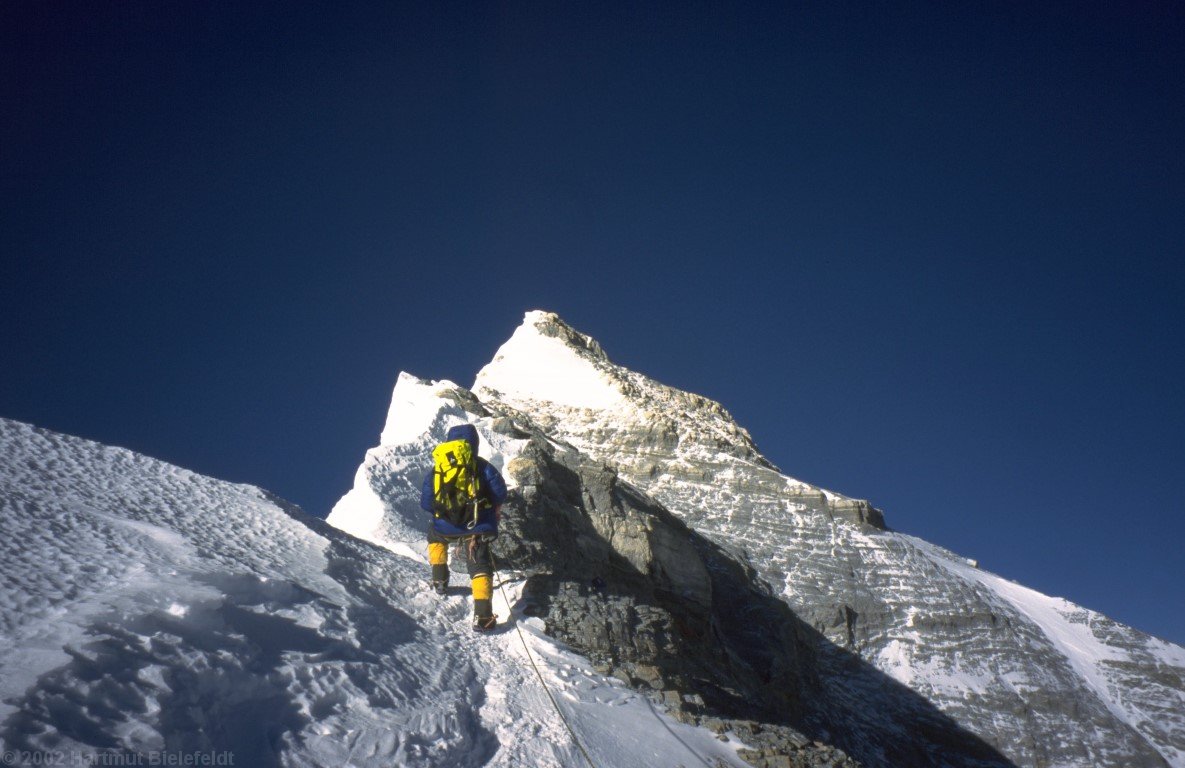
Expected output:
{"points": [[659, 542]]}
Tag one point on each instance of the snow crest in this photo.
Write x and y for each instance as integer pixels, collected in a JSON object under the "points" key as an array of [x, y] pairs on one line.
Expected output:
{"points": [[148, 613], [538, 366]]}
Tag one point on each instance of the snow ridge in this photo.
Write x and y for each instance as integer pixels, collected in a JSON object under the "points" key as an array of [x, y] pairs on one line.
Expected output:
{"points": [[150, 613]]}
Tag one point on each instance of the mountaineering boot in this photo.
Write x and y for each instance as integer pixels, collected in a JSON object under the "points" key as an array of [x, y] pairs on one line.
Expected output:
{"points": [[438, 558], [439, 570], [483, 615]]}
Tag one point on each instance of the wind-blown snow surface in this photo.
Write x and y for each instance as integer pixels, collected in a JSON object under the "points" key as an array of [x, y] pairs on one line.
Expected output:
{"points": [[147, 611], [1045, 681]]}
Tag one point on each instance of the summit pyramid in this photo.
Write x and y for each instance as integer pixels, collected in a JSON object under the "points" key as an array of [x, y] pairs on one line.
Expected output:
{"points": [[656, 539]]}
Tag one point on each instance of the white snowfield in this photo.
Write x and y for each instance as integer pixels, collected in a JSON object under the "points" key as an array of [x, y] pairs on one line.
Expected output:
{"points": [[555, 374], [149, 613]]}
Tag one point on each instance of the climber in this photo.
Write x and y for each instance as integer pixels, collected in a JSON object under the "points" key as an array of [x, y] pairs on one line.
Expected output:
{"points": [[464, 493]]}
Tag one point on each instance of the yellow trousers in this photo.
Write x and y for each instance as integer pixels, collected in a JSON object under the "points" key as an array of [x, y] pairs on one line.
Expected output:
{"points": [[481, 583]]}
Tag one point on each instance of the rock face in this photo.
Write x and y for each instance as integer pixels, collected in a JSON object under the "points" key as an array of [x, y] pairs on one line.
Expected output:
{"points": [[626, 582], [660, 543]]}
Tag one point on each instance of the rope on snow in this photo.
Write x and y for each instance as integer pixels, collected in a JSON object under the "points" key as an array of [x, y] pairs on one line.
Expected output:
{"points": [[531, 657]]}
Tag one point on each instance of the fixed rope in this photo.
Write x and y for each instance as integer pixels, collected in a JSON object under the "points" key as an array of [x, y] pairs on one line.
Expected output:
{"points": [[531, 657], [676, 736], [501, 585]]}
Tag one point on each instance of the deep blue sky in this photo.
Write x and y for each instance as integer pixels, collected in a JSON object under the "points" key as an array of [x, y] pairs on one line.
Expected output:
{"points": [[929, 254]]}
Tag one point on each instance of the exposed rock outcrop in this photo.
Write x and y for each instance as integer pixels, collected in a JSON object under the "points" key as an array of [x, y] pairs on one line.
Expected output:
{"points": [[618, 577]]}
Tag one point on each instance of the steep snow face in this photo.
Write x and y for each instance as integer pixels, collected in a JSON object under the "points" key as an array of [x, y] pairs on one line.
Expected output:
{"points": [[563, 379], [1141, 679], [383, 507], [148, 613], [670, 442], [568, 370], [1007, 667], [415, 409]]}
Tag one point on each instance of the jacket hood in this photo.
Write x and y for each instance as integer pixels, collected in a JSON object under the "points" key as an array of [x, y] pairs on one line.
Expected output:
{"points": [[466, 432]]}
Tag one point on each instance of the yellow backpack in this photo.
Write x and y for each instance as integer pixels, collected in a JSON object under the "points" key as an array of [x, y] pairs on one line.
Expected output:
{"points": [[454, 483]]}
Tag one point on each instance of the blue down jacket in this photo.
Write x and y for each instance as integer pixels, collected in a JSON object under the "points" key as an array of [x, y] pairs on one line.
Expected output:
{"points": [[491, 486]]}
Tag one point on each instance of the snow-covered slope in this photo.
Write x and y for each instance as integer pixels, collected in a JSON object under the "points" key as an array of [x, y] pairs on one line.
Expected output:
{"points": [[1043, 680], [156, 616]]}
